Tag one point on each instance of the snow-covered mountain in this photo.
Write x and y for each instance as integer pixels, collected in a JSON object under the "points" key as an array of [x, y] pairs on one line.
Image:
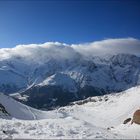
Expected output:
{"points": [[57, 74], [102, 118]]}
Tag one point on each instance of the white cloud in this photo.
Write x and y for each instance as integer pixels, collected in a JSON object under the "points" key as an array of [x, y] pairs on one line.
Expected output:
{"points": [[110, 46], [58, 50]]}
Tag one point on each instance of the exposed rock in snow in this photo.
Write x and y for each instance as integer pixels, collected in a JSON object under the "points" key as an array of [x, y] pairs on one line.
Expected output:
{"points": [[127, 120], [3, 111], [136, 117]]}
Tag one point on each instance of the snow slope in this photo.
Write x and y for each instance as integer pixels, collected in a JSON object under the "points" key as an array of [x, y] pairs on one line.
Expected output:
{"points": [[101, 117], [20, 111]]}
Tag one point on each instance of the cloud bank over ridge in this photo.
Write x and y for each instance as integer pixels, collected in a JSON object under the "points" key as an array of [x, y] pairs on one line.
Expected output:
{"points": [[110, 46], [62, 50]]}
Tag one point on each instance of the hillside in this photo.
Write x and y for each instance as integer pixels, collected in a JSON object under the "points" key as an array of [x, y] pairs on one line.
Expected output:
{"points": [[10, 109], [102, 117]]}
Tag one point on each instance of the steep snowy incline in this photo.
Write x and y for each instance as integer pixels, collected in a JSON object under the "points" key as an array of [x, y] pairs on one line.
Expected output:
{"points": [[18, 110], [60, 79]]}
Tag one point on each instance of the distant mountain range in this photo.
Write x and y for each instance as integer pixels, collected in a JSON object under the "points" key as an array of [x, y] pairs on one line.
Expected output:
{"points": [[54, 78]]}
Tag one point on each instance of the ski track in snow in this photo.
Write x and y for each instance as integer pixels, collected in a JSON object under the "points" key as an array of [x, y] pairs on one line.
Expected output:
{"points": [[34, 117]]}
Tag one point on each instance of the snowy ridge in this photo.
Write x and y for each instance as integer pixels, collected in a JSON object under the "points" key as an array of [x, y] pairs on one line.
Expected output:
{"points": [[60, 79], [20, 111]]}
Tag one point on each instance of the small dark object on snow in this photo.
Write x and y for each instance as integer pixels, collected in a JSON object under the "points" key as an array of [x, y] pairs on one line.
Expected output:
{"points": [[4, 132], [109, 128], [127, 121], [106, 99]]}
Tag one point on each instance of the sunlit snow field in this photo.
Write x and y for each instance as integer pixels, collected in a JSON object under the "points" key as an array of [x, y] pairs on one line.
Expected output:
{"points": [[101, 119]]}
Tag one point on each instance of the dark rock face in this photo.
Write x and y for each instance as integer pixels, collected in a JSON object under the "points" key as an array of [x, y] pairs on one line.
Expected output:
{"points": [[7, 88], [49, 97], [3, 110]]}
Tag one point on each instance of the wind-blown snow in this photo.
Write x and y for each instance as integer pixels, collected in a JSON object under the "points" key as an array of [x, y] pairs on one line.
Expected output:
{"points": [[110, 46], [89, 120]]}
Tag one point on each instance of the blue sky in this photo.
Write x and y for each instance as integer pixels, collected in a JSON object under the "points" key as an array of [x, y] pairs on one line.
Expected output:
{"points": [[69, 21]]}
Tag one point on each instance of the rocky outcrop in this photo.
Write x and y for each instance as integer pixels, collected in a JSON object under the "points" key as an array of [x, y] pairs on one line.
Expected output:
{"points": [[136, 117], [3, 110]]}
